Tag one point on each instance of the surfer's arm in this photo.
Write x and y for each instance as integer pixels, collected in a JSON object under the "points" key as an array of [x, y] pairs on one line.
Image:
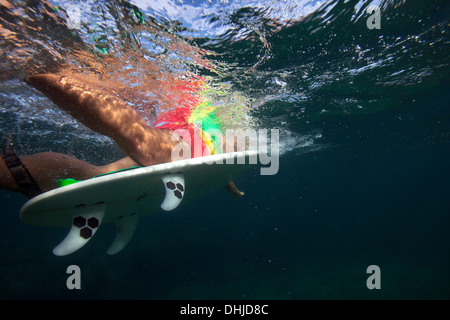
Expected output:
{"points": [[107, 114]]}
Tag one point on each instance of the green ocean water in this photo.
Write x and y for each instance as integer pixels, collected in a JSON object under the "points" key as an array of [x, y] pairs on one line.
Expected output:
{"points": [[364, 174]]}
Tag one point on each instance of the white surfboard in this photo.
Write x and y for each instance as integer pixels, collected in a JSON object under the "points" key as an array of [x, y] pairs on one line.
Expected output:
{"points": [[123, 197]]}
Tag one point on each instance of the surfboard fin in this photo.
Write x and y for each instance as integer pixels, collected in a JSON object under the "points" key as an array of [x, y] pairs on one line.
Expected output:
{"points": [[85, 223], [125, 227], [174, 184]]}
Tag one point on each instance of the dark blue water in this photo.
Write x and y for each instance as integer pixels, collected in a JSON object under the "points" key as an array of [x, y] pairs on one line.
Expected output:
{"points": [[364, 176]]}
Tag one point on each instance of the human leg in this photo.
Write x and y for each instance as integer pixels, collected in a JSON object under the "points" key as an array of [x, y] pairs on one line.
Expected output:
{"points": [[47, 168], [109, 115]]}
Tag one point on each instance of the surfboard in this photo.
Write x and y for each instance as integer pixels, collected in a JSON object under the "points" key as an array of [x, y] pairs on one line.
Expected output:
{"points": [[123, 197]]}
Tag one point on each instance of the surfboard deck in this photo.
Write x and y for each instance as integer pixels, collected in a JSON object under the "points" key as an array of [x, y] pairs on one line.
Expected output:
{"points": [[122, 197]]}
